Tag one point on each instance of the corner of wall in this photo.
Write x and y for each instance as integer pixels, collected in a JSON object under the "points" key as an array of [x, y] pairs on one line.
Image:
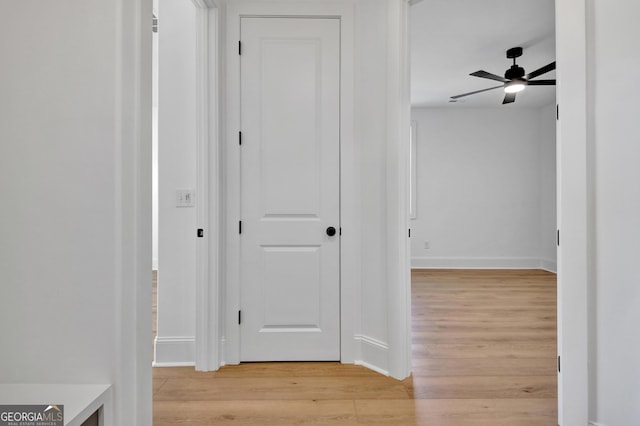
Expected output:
{"points": [[174, 351], [374, 354], [549, 265]]}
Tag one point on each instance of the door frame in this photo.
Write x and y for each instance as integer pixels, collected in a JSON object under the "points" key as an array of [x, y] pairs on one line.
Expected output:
{"points": [[349, 212], [575, 197], [208, 198]]}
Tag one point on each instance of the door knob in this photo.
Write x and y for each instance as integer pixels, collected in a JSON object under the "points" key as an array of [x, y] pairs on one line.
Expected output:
{"points": [[331, 231]]}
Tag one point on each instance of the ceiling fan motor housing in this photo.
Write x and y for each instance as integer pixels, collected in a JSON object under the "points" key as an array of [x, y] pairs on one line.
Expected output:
{"points": [[515, 72]]}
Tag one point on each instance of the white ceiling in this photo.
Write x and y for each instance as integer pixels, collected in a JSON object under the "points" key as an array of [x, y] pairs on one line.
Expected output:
{"points": [[452, 38]]}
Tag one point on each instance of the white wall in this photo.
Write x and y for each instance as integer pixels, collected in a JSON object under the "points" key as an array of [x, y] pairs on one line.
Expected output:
{"points": [[381, 118], [616, 137], [73, 150], [371, 130], [57, 182], [548, 247], [486, 188], [175, 342], [598, 215]]}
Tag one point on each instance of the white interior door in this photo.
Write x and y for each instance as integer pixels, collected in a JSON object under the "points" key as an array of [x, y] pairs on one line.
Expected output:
{"points": [[290, 186]]}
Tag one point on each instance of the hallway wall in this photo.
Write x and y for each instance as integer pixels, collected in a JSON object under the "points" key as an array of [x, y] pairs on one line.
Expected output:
{"points": [[175, 342], [615, 150], [75, 179]]}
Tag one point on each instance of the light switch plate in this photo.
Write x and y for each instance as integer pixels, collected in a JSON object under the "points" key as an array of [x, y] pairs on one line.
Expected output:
{"points": [[185, 198]]}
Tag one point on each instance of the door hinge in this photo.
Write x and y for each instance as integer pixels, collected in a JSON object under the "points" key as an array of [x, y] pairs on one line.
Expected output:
{"points": [[154, 23], [558, 363], [200, 233], [239, 47], [240, 138], [340, 231], [409, 232], [558, 238], [240, 227], [557, 112], [239, 317]]}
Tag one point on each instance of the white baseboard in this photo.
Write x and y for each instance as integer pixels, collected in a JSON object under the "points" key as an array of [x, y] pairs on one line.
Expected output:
{"points": [[595, 424], [372, 367], [175, 351], [172, 364], [482, 263], [374, 354], [549, 265]]}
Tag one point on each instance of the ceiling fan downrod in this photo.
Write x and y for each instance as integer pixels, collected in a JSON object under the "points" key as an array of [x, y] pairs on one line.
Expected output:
{"points": [[515, 72]]}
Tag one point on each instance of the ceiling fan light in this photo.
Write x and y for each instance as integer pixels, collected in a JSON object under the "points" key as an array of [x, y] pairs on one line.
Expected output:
{"points": [[514, 87]]}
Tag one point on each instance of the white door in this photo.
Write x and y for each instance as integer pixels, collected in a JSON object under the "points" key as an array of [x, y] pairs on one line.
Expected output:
{"points": [[290, 186]]}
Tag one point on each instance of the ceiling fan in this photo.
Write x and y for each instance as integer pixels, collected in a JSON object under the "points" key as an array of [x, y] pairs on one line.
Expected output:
{"points": [[514, 79]]}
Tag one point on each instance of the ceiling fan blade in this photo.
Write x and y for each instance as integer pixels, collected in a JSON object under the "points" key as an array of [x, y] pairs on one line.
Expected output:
{"points": [[484, 74], [509, 98], [541, 83], [540, 71], [477, 91]]}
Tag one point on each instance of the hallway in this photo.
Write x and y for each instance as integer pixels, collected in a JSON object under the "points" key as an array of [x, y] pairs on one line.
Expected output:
{"points": [[484, 353]]}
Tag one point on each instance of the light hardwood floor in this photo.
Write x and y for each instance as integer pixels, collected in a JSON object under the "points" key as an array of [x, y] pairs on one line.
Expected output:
{"points": [[484, 353]]}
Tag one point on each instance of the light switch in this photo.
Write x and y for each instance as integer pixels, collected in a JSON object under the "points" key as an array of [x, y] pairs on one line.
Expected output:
{"points": [[185, 198]]}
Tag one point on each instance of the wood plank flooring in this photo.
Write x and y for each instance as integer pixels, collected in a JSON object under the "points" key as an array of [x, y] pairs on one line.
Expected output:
{"points": [[484, 353]]}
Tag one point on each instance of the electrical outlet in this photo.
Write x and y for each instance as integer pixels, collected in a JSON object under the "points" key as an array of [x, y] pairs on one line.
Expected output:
{"points": [[427, 245]]}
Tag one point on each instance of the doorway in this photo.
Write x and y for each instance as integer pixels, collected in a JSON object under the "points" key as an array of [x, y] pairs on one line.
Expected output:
{"points": [[474, 150]]}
